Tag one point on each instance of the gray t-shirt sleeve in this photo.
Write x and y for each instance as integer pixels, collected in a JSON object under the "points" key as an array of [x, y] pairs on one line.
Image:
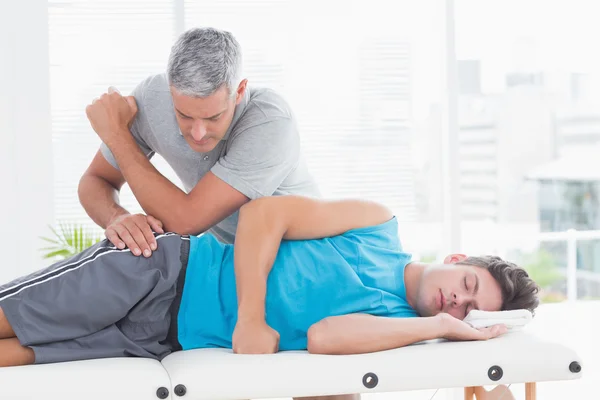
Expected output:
{"points": [[139, 128], [260, 158]]}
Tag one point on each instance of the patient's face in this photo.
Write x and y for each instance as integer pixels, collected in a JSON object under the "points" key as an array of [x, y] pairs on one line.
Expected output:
{"points": [[457, 289]]}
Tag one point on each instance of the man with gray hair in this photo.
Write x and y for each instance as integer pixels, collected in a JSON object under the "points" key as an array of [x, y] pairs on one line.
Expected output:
{"points": [[227, 142]]}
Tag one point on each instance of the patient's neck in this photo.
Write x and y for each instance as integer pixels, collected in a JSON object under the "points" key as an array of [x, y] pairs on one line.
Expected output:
{"points": [[413, 273]]}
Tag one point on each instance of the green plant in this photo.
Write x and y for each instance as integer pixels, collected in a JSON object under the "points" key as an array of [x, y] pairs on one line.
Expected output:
{"points": [[70, 239]]}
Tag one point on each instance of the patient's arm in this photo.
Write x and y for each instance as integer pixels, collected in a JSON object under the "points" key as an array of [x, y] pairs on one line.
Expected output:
{"points": [[262, 224], [362, 333]]}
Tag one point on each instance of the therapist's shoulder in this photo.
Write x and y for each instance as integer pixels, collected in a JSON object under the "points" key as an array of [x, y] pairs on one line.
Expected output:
{"points": [[266, 110], [153, 96], [155, 110]]}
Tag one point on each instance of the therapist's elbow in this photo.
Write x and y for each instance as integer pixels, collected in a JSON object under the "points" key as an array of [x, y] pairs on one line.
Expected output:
{"points": [[181, 223], [181, 228]]}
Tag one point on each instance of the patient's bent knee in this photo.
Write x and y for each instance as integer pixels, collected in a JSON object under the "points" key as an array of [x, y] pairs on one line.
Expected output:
{"points": [[12, 353], [6, 331], [315, 344]]}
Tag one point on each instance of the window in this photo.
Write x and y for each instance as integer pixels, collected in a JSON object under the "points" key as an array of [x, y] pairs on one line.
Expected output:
{"points": [[93, 45], [359, 76], [532, 92]]}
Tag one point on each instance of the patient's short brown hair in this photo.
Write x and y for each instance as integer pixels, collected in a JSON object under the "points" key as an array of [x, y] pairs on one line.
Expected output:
{"points": [[519, 291]]}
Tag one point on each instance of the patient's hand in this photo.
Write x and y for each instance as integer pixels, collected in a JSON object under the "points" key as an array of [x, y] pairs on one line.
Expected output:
{"points": [[456, 329], [254, 337], [134, 231]]}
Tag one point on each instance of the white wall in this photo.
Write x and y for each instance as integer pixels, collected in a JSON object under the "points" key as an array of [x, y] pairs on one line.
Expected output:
{"points": [[25, 136]]}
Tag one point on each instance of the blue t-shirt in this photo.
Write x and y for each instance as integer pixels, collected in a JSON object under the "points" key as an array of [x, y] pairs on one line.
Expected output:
{"points": [[360, 271]]}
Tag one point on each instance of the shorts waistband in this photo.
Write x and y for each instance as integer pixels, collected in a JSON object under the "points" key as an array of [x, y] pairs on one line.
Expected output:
{"points": [[172, 336]]}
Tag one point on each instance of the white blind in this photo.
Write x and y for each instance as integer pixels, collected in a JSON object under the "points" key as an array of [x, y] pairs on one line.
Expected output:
{"points": [[347, 68], [93, 45], [348, 80]]}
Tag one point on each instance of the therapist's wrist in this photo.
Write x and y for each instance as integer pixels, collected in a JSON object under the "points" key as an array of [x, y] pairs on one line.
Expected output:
{"points": [[116, 212]]}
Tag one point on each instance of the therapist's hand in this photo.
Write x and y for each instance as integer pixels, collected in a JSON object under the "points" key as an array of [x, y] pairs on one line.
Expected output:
{"points": [[111, 115], [456, 329], [254, 337], [136, 231]]}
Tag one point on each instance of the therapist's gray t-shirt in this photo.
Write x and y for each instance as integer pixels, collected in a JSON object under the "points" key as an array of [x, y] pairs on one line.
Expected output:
{"points": [[259, 155]]}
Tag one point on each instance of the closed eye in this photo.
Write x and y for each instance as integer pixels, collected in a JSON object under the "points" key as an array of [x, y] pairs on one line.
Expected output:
{"points": [[469, 306]]}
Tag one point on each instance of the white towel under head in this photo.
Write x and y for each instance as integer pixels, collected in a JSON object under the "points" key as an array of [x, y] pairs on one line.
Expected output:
{"points": [[513, 319]]}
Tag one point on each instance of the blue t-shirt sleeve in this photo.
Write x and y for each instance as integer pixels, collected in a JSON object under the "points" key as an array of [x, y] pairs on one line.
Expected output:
{"points": [[380, 265], [379, 245], [384, 235]]}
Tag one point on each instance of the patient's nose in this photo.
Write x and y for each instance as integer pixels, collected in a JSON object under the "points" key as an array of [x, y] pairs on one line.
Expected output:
{"points": [[460, 299], [457, 299]]}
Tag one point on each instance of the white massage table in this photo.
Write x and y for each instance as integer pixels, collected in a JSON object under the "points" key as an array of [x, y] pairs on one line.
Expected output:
{"points": [[516, 357]]}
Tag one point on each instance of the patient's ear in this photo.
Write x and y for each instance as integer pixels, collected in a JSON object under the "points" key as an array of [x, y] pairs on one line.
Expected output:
{"points": [[454, 258]]}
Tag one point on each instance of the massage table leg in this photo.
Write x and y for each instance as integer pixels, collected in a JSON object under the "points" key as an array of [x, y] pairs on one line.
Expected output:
{"points": [[500, 392], [469, 393], [530, 391]]}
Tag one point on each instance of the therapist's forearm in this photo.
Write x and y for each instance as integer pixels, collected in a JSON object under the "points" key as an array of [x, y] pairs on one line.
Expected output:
{"points": [[99, 199], [157, 195]]}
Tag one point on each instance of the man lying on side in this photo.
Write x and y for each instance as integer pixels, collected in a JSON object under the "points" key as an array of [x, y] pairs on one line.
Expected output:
{"points": [[327, 276]]}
